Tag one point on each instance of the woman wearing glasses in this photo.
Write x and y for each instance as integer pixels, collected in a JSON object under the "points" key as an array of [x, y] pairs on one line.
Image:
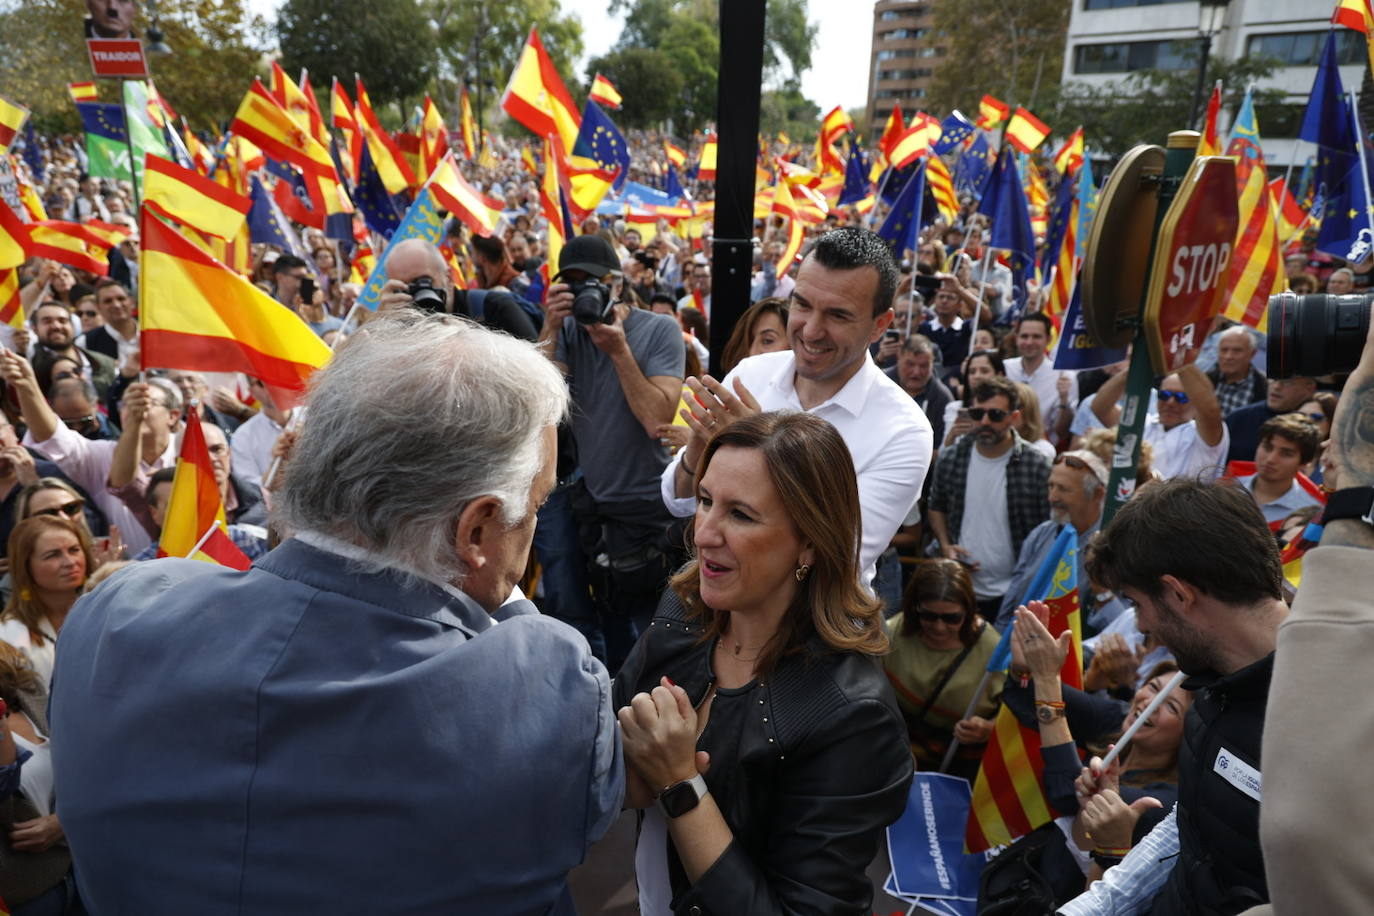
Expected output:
{"points": [[50, 558], [940, 649]]}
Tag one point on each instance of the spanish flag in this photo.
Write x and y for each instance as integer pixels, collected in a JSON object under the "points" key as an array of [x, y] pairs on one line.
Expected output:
{"points": [[892, 134], [84, 246], [192, 199], [11, 306], [290, 97], [1210, 143], [15, 240], [195, 526], [706, 165], [784, 205], [12, 118], [604, 92], [390, 162], [991, 112], [676, 155], [1070, 155], [433, 138], [83, 92], [461, 199], [264, 122], [551, 204], [1026, 132], [197, 314], [468, 126], [537, 98], [1290, 215], [1357, 15], [341, 115], [1009, 794], [317, 128]]}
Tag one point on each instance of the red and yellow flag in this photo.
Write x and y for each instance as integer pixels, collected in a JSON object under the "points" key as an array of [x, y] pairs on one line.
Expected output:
{"points": [[941, 185], [706, 165], [461, 199], [395, 172], [550, 203], [341, 115], [604, 92], [84, 246], [264, 122], [784, 205], [317, 127], [433, 138], [193, 200], [11, 306], [1257, 257], [468, 127], [537, 98], [1289, 213], [195, 526], [915, 141], [991, 112], [893, 131], [676, 154], [197, 314], [1210, 143], [12, 118], [1026, 132], [1070, 155], [83, 92], [1357, 15], [15, 240]]}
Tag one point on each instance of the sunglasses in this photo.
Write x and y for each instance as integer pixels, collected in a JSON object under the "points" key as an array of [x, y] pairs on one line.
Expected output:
{"points": [[1317, 417], [72, 509], [931, 617], [1179, 396], [995, 414], [89, 314]]}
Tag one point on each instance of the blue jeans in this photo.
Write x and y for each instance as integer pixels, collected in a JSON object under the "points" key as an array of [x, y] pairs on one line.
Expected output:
{"points": [[564, 570], [59, 900]]}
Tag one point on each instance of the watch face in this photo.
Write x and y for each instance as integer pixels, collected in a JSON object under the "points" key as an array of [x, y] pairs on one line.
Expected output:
{"points": [[678, 800], [1047, 713]]}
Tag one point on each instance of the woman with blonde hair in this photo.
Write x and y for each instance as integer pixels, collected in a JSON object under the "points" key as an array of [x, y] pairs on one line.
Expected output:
{"points": [[50, 558], [761, 660], [1032, 427]]}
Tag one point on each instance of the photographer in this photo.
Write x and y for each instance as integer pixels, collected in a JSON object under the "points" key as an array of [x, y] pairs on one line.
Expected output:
{"points": [[624, 367], [418, 276]]}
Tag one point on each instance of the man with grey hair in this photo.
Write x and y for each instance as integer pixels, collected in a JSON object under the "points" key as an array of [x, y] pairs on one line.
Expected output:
{"points": [[358, 723], [1238, 383]]}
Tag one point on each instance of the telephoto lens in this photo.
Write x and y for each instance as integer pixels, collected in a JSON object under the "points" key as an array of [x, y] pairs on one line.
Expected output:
{"points": [[1317, 334]]}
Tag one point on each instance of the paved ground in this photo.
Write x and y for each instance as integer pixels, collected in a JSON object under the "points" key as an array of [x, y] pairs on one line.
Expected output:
{"points": [[605, 884]]}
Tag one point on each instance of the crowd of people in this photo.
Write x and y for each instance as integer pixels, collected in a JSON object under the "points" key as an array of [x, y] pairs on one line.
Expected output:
{"points": [[712, 565]]}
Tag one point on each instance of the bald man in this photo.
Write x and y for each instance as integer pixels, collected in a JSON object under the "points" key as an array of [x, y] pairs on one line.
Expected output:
{"points": [[415, 258]]}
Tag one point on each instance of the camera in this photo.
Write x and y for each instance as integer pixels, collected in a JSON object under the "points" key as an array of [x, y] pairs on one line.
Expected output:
{"points": [[307, 290], [926, 286], [424, 295], [1317, 334], [591, 302]]}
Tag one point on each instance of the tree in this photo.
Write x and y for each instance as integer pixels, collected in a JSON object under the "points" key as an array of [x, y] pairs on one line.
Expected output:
{"points": [[694, 49], [649, 84], [1147, 104], [1013, 49], [390, 45], [788, 111], [215, 47]]}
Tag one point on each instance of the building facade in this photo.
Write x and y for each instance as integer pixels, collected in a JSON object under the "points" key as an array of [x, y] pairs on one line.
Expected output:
{"points": [[905, 55], [1108, 39]]}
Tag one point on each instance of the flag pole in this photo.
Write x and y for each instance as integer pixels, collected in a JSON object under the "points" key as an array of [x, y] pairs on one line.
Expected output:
{"points": [[972, 704], [1364, 166], [873, 214], [203, 538], [1140, 720]]}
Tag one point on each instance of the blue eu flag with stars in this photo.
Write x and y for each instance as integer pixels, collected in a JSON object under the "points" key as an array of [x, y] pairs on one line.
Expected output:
{"points": [[954, 130], [601, 140], [380, 210], [903, 223]]}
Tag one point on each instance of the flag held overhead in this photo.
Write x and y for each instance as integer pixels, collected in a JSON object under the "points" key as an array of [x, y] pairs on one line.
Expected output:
{"points": [[192, 199]]}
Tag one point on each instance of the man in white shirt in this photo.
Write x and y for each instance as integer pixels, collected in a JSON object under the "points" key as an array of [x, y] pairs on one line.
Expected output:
{"points": [[765, 282], [253, 441], [1187, 432], [1033, 368], [840, 305]]}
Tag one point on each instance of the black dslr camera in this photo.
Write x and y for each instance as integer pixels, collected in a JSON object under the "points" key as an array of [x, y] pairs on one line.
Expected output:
{"points": [[1317, 334], [425, 296], [591, 302]]}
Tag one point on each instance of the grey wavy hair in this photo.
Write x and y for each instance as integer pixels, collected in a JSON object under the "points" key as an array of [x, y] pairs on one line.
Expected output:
{"points": [[416, 416]]}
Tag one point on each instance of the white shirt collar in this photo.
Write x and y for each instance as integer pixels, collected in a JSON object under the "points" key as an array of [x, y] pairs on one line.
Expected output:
{"points": [[850, 398]]}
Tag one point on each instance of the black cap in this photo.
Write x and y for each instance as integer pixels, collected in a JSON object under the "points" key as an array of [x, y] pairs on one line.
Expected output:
{"points": [[589, 253]]}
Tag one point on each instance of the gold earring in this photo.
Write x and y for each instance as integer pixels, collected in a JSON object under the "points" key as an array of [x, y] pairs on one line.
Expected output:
{"points": [[802, 572], [25, 594]]}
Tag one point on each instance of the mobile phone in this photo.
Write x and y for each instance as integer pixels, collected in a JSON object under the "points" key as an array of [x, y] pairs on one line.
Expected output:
{"points": [[308, 290], [892, 335], [963, 414]]}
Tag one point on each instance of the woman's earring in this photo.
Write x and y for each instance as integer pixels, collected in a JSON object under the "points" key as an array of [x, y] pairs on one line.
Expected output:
{"points": [[802, 572]]}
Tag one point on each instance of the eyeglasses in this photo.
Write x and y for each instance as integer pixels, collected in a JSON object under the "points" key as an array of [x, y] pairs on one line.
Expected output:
{"points": [[932, 617], [995, 414], [79, 422], [1317, 417], [72, 509], [1180, 396], [89, 314]]}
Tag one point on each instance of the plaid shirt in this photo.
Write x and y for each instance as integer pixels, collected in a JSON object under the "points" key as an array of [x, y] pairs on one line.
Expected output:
{"points": [[1235, 395], [1028, 478]]}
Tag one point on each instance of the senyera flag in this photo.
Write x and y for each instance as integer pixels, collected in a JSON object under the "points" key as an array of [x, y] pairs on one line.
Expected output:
{"points": [[197, 314], [195, 526]]}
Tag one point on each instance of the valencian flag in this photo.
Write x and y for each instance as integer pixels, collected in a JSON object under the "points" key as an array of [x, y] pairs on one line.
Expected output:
{"points": [[991, 112], [1059, 256], [1256, 258], [554, 209], [196, 314], [600, 140], [192, 199], [604, 92], [1026, 132], [536, 96], [341, 116], [433, 137], [195, 512], [1009, 794]]}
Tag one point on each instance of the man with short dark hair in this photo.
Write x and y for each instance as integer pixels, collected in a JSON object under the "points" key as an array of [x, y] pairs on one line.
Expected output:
{"points": [[663, 304], [1287, 443], [1203, 570], [117, 334], [1033, 367], [948, 331], [1285, 395], [989, 493], [75, 402], [251, 539], [110, 18], [52, 326], [494, 269], [287, 273]]}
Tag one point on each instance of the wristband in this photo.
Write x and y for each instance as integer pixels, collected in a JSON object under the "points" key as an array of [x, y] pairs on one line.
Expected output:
{"points": [[1355, 503], [1052, 704]]}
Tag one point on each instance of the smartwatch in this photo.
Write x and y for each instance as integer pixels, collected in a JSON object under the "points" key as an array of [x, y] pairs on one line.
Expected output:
{"points": [[1351, 503], [677, 800]]}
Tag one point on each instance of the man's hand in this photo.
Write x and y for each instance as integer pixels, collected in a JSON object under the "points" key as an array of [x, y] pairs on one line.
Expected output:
{"points": [[557, 305], [136, 403], [958, 553], [887, 350], [1114, 664], [37, 835], [17, 372], [1109, 822], [225, 401], [1063, 386], [20, 341], [609, 338], [395, 294], [21, 461], [109, 549], [973, 730]]}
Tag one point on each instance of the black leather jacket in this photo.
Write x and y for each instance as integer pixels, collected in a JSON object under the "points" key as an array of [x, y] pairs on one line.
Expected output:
{"points": [[819, 773]]}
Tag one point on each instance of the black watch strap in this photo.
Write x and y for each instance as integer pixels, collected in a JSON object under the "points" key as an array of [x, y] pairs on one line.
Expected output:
{"points": [[1352, 503]]}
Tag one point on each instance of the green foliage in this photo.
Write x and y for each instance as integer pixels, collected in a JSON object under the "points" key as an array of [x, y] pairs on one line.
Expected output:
{"points": [[1013, 49], [789, 111], [647, 80], [391, 45], [215, 49], [1148, 104], [694, 49]]}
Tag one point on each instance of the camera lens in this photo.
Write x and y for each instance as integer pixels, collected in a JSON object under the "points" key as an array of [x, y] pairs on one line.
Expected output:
{"points": [[1317, 334]]}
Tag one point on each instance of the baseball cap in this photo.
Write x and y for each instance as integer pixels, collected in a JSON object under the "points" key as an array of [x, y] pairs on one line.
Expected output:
{"points": [[589, 253], [1094, 463]]}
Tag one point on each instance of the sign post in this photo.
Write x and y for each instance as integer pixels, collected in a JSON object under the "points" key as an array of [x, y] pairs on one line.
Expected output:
{"points": [[121, 59]]}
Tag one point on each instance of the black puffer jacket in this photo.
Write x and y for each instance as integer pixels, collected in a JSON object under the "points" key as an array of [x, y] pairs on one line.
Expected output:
{"points": [[818, 769]]}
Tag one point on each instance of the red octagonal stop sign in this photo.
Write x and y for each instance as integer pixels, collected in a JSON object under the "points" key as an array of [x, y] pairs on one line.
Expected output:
{"points": [[1192, 263]]}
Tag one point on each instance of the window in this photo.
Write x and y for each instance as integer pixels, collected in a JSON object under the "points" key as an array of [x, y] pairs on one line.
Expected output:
{"points": [[1124, 57], [931, 52], [1304, 49], [912, 74], [899, 94], [898, 34], [891, 15], [893, 53], [1281, 122], [1121, 4]]}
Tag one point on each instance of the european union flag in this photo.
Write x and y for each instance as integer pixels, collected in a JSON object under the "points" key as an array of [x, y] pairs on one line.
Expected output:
{"points": [[1347, 229], [265, 223], [856, 186], [1059, 223], [672, 186], [1327, 123], [32, 154], [601, 140], [954, 130], [1005, 203], [903, 223], [379, 209], [104, 121], [972, 170], [893, 182]]}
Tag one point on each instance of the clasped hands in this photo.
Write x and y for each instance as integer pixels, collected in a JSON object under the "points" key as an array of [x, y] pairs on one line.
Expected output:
{"points": [[659, 732]]}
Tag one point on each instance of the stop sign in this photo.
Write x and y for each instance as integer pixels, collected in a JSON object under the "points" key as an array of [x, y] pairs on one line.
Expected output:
{"points": [[1192, 264]]}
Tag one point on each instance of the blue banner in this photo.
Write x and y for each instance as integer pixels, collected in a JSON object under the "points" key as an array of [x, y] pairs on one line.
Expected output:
{"points": [[926, 847], [1076, 350], [422, 221]]}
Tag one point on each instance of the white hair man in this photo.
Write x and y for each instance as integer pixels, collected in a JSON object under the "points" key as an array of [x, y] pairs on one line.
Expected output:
{"points": [[334, 729]]}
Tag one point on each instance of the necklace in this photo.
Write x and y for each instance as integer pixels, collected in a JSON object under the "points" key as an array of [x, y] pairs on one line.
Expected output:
{"points": [[720, 645]]}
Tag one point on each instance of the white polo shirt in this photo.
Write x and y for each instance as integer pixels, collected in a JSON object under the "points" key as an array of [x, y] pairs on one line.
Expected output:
{"points": [[1180, 452], [1044, 382]]}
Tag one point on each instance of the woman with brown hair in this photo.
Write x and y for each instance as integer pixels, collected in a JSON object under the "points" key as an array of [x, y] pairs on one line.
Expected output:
{"points": [[760, 660], [761, 329], [50, 557], [940, 649]]}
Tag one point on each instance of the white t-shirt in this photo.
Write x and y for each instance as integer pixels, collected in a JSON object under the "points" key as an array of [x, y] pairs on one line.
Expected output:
{"points": [[986, 530], [41, 657], [35, 776], [1180, 452], [1044, 381]]}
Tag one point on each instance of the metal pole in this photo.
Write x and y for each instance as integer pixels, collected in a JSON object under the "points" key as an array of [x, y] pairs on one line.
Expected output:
{"points": [[1201, 78], [972, 704]]}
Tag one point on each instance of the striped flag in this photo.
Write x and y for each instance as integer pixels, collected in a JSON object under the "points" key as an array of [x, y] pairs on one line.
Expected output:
{"points": [[893, 131], [537, 97], [1009, 794], [1290, 214], [554, 210], [12, 118], [193, 200], [941, 186], [195, 526], [468, 126], [1357, 15], [387, 157], [84, 246], [1070, 155], [341, 116], [463, 200], [15, 238], [991, 112], [1026, 132], [197, 314], [433, 137], [265, 123], [604, 92], [11, 306], [676, 154], [706, 165], [1210, 143], [1257, 257], [784, 205], [83, 92]]}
